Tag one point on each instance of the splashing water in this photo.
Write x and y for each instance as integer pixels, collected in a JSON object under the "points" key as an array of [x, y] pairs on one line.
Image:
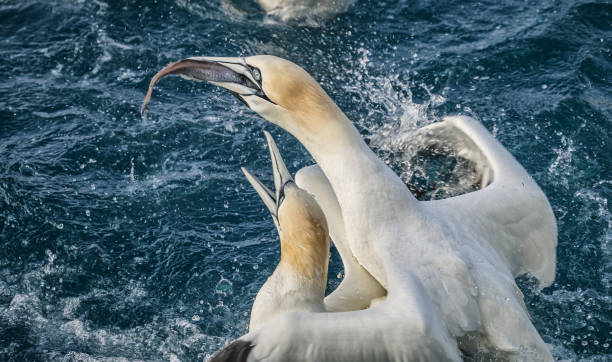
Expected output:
{"points": [[132, 240]]}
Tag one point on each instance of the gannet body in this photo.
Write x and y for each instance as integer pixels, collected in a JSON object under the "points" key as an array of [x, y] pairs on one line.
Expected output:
{"points": [[298, 282], [448, 265]]}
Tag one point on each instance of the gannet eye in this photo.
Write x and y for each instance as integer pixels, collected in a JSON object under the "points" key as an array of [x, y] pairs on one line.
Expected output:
{"points": [[256, 74]]}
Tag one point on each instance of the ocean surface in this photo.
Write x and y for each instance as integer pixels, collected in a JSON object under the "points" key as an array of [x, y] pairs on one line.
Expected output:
{"points": [[131, 239]]}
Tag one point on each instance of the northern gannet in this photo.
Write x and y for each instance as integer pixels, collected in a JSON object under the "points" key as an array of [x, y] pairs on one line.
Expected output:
{"points": [[448, 265], [298, 282]]}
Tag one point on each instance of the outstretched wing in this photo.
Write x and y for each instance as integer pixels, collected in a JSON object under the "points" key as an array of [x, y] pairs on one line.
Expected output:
{"points": [[403, 328], [510, 209], [358, 288]]}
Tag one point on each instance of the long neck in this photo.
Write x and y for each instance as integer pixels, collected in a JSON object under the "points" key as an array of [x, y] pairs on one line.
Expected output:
{"points": [[305, 261], [362, 181], [299, 287]]}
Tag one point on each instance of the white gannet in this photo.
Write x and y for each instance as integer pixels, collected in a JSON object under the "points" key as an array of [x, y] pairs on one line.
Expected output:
{"points": [[448, 265], [298, 282], [358, 288], [302, 255]]}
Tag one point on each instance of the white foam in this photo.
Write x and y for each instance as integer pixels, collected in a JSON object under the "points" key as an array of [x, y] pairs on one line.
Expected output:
{"points": [[60, 330]]}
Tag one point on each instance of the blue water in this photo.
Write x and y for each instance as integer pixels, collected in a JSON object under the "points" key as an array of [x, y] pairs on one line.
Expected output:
{"points": [[124, 238]]}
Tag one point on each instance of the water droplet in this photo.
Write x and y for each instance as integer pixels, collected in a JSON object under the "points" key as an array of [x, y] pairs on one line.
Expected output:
{"points": [[132, 178]]}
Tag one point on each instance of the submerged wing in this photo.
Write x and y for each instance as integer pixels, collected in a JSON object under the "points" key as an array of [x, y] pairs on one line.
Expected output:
{"points": [[358, 288], [510, 208]]}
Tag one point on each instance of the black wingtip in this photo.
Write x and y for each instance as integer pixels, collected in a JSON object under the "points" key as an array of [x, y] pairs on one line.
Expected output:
{"points": [[237, 351]]}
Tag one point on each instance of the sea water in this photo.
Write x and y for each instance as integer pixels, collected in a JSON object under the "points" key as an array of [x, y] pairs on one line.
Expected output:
{"points": [[131, 239]]}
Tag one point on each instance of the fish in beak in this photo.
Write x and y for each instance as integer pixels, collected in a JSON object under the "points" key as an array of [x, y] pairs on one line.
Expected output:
{"points": [[233, 74]]}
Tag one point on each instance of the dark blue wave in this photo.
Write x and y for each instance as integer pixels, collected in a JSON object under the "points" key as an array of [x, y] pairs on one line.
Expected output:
{"points": [[141, 239]]}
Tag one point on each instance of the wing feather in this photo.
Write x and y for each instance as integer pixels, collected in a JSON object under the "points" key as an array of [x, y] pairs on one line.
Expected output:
{"points": [[512, 209]]}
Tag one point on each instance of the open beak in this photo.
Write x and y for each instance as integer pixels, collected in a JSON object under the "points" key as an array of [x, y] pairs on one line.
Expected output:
{"points": [[282, 177], [233, 74]]}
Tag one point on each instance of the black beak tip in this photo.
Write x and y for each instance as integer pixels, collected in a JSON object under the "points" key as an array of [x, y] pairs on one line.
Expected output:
{"points": [[240, 98]]}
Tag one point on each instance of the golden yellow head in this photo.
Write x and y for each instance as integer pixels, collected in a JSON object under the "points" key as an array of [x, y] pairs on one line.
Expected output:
{"points": [[277, 89], [303, 232], [287, 84], [300, 222], [299, 102]]}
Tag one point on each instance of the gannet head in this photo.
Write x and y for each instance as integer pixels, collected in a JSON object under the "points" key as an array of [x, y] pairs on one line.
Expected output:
{"points": [[304, 233], [300, 222], [277, 89]]}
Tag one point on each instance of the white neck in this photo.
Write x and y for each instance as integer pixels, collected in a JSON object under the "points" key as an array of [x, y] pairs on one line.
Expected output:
{"points": [[360, 179], [287, 291]]}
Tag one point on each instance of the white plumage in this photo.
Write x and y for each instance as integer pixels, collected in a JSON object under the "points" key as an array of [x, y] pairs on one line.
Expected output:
{"points": [[299, 280], [448, 265]]}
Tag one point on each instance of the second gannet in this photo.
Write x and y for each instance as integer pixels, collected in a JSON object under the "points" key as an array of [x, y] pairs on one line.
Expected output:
{"points": [[301, 216], [298, 282], [448, 265]]}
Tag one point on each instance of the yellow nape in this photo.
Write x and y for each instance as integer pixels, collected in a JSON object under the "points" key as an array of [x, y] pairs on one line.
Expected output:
{"points": [[304, 234], [292, 88]]}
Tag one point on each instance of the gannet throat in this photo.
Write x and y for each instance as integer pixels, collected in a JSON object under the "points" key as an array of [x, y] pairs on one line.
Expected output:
{"points": [[298, 282]]}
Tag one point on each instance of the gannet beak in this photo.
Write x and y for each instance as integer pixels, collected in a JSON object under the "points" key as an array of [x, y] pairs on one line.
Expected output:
{"points": [[281, 174], [282, 177], [265, 193], [233, 74]]}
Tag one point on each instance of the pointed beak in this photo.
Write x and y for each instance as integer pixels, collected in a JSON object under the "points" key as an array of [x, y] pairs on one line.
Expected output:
{"points": [[233, 74], [282, 178], [281, 175]]}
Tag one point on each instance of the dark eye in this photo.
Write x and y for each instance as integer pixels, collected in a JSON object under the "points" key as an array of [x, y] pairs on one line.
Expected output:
{"points": [[256, 74]]}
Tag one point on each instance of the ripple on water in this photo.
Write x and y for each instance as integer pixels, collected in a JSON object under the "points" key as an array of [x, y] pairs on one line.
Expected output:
{"points": [[125, 239]]}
